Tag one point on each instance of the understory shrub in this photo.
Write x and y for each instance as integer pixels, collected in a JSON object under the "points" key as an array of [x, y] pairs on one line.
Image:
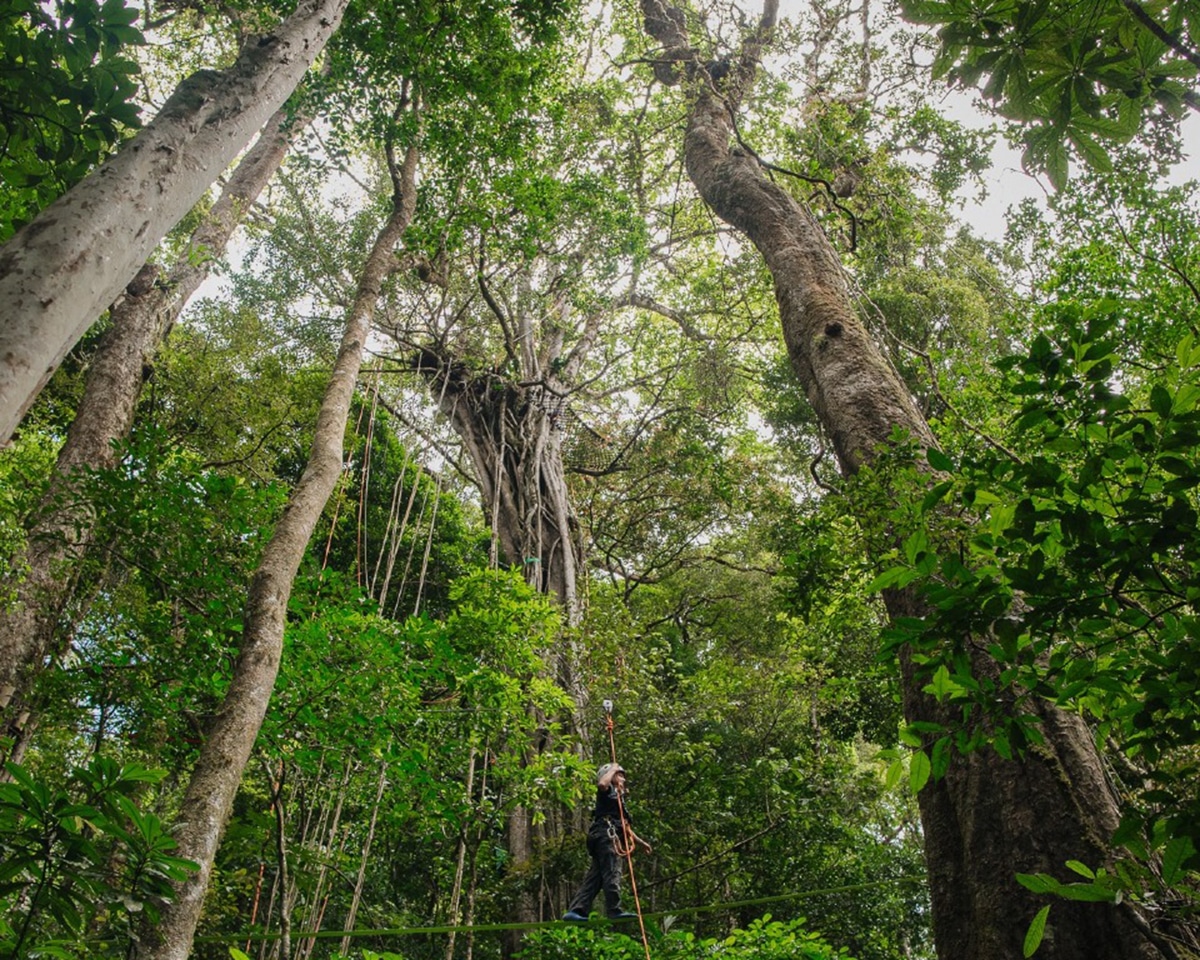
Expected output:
{"points": [[764, 939]]}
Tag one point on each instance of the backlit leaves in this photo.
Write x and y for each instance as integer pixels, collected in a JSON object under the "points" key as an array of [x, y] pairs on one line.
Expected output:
{"points": [[1080, 77]]}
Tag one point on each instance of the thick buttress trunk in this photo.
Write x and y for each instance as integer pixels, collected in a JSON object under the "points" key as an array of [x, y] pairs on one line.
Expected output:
{"points": [[513, 437], [140, 320], [61, 270], [218, 771], [990, 818], [987, 819]]}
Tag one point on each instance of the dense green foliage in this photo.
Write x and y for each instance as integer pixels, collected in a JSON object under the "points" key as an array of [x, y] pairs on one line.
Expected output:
{"points": [[1078, 77], [430, 702], [77, 854], [764, 938], [67, 87]]}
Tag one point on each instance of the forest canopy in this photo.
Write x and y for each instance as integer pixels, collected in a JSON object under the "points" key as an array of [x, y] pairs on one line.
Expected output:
{"points": [[410, 407]]}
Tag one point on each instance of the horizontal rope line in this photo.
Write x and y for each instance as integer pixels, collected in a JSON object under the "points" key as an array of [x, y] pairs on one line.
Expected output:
{"points": [[494, 927]]}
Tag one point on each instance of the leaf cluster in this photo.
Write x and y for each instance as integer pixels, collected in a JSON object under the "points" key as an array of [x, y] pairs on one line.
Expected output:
{"points": [[66, 97], [761, 939], [163, 589], [418, 702], [1078, 77], [80, 854], [1079, 566]]}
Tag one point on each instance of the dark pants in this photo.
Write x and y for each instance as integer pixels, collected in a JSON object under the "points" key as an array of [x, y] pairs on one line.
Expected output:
{"points": [[604, 872]]}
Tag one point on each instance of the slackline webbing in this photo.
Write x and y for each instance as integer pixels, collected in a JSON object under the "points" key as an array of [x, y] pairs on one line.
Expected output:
{"points": [[490, 927]]}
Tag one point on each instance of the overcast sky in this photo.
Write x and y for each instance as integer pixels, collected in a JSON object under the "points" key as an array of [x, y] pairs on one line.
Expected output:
{"points": [[1008, 184]]}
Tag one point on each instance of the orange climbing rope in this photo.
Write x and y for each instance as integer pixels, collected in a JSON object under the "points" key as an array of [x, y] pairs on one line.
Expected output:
{"points": [[625, 848]]}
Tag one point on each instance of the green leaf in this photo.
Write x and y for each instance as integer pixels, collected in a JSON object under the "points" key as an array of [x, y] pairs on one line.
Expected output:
{"points": [[942, 686], [1038, 882], [938, 460], [1092, 153], [1160, 401], [1057, 165], [935, 495], [1186, 399], [1175, 465], [1175, 855], [1087, 892], [919, 769], [1183, 350], [886, 579], [1037, 930]]}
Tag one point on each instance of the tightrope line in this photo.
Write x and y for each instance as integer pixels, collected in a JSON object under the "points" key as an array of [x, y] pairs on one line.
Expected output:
{"points": [[541, 924]]}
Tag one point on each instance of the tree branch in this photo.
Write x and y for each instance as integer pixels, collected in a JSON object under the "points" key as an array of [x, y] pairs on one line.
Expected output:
{"points": [[1156, 28], [498, 310]]}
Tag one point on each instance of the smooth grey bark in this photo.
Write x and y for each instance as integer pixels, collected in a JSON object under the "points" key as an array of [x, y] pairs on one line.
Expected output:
{"points": [[62, 531], [70, 263], [988, 818], [215, 779]]}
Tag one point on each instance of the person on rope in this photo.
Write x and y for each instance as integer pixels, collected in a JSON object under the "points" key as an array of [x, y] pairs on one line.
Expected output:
{"points": [[610, 833]]}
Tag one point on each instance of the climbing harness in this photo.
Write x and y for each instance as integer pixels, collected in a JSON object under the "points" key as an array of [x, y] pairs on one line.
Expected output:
{"points": [[615, 838], [624, 848]]}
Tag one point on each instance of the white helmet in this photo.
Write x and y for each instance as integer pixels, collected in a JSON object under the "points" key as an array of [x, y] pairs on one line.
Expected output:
{"points": [[604, 770]]}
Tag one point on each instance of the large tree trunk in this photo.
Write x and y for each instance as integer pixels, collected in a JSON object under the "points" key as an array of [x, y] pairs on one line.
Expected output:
{"points": [[141, 319], [218, 771], [988, 818], [512, 433], [61, 270], [518, 841]]}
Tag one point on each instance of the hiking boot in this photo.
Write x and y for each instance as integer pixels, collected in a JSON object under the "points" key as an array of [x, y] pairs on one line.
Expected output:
{"points": [[622, 915], [574, 917]]}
